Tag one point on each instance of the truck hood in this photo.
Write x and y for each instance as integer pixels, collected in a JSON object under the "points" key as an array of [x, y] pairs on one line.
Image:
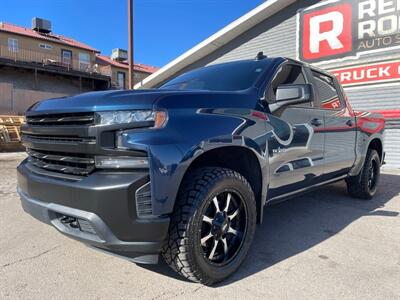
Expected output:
{"points": [[139, 99], [97, 101]]}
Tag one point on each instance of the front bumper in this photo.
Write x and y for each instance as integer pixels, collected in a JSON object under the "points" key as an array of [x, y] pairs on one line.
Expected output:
{"points": [[103, 204]]}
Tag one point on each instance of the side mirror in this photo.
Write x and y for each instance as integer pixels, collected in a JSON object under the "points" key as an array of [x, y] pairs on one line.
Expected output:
{"points": [[293, 94]]}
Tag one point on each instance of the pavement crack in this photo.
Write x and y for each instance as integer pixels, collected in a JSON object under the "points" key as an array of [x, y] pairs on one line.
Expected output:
{"points": [[197, 289], [30, 257], [173, 295], [289, 269]]}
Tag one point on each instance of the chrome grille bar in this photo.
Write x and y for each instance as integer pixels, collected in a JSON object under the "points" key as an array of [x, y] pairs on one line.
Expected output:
{"points": [[61, 163], [58, 139], [65, 119], [60, 158], [59, 168]]}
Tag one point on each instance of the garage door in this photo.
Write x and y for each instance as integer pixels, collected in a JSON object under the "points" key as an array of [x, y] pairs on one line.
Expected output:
{"points": [[383, 99], [392, 143]]}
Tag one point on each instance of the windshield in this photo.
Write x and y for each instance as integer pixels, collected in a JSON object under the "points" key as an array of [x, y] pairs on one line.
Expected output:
{"points": [[234, 76]]}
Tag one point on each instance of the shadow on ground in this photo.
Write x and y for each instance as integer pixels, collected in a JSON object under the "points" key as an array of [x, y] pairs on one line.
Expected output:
{"points": [[299, 224]]}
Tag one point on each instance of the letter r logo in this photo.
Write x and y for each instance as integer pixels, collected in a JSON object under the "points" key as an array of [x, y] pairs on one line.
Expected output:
{"points": [[326, 32], [318, 35]]}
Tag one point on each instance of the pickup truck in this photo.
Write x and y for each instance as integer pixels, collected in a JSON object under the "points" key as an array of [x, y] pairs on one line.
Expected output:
{"points": [[186, 169]]}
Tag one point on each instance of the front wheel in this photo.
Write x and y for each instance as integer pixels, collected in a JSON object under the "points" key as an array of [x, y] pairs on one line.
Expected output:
{"points": [[212, 226], [365, 184]]}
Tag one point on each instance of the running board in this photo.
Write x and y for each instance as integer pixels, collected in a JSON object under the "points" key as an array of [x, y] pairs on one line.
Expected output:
{"points": [[302, 191]]}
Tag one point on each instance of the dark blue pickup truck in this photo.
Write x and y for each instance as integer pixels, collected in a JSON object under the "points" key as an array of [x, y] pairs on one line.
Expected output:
{"points": [[185, 170]]}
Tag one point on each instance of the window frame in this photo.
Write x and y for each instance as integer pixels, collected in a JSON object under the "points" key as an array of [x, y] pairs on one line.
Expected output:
{"points": [[45, 46], [335, 85], [62, 57], [306, 79], [82, 62], [124, 80], [14, 46]]}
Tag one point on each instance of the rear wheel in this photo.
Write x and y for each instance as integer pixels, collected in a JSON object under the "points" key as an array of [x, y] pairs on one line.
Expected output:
{"points": [[212, 226], [365, 184]]}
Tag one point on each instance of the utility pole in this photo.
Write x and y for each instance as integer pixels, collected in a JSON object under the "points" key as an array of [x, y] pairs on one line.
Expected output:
{"points": [[130, 44]]}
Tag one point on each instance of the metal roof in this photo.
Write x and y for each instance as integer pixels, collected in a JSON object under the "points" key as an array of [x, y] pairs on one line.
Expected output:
{"points": [[51, 37], [220, 38], [106, 60]]}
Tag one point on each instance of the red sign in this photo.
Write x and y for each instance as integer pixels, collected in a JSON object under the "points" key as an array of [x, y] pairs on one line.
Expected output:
{"points": [[380, 72], [328, 32], [345, 28]]}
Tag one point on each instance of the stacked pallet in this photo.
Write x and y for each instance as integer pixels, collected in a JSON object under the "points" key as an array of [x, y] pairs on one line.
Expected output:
{"points": [[10, 132]]}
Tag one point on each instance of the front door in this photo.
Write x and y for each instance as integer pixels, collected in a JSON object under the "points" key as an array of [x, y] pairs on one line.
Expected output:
{"points": [[296, 145]]}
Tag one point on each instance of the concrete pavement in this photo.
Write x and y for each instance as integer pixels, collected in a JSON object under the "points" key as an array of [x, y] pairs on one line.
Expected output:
{"points": [[324, 245]]}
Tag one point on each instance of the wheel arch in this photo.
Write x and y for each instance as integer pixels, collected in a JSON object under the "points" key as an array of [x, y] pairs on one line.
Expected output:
{"points": [[377, 144], [237, 158], [365, 142]]}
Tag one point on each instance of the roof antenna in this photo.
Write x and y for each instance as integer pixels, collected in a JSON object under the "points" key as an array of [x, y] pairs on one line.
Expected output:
{"points": [[260, 56]]}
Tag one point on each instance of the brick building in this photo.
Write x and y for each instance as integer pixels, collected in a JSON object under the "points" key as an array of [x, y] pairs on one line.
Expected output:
{"points": [[36, 63], [116, 66]]}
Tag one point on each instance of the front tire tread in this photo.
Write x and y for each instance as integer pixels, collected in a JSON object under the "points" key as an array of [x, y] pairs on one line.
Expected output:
{"points": [[176, 250]]}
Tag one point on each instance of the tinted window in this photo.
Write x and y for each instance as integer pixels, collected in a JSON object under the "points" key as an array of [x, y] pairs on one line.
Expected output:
{"points": [[234, 76], [287, 74], [327, 91]]}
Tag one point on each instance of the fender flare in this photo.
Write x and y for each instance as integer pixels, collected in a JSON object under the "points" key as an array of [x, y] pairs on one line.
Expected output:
{"points": [[195, 153], [361, 152]]}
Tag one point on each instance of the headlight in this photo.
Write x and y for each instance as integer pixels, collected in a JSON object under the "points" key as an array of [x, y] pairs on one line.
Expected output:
{"points": [[121, 162], [158, 118]]}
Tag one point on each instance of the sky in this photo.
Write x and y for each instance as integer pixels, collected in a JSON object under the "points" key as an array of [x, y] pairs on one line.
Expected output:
{"points": [[163, 29]]}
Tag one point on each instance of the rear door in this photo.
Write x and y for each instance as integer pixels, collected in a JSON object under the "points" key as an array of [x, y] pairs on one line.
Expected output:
{"points": [[340, 127], [296, 146]]}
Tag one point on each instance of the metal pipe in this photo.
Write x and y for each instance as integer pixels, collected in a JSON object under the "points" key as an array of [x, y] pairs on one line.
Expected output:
{"points": [[130, 44]]}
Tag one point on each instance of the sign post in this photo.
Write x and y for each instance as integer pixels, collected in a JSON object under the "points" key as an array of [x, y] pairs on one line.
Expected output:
{"points": [[130, 45]]}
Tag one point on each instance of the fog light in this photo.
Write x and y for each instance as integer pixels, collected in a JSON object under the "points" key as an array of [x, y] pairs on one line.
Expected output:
{"points": [[111, 162]]}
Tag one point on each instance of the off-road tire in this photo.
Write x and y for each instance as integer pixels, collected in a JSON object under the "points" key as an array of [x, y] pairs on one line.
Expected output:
{"points": [[357, 186], [181, 250]]}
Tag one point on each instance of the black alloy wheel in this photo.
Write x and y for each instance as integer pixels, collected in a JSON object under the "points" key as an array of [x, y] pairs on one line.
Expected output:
{"points": [[365, 184], [372, 175], [224, 226]]}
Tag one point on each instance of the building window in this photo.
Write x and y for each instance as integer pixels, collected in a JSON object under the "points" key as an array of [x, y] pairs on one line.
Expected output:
{"points": [[84, 61], [66, 56], [121, 80], [13, 45], [45, 46]]}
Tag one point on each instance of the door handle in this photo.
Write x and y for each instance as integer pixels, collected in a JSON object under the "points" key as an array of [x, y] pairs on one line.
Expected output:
{"points": [[350, 123], [316, 122]]}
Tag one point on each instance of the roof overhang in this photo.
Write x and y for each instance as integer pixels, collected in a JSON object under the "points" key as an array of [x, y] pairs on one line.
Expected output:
{"points": [[217, 40], [52, 38]]}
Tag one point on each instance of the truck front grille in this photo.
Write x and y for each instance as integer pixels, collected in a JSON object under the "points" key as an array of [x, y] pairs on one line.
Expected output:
{"points": [[57, 139], [61, 162], [61, 119]]}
